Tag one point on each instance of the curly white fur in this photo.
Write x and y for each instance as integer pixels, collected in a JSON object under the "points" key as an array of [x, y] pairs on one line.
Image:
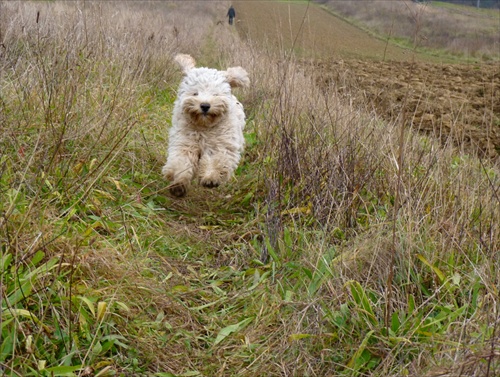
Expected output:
{"points": [[206, 139]]}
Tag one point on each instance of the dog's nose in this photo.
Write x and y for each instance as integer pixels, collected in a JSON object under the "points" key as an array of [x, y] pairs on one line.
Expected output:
{"points": [[205, 107]]}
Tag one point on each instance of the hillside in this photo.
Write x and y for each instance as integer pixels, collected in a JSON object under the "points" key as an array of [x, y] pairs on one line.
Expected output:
{"points": [[475, 3], [347, 243], [436, 28], [312, 31]]}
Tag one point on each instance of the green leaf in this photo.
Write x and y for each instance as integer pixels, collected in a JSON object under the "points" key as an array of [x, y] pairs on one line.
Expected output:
{"points": [[288, 296], [7, 346], [20, 293], [294, 337], [359, 352], [37, 257], [395, 322], [5, 262], [180, 288], [5, 322], [361, 298], [228, 330], [43, 269], [322, 272], [436, 270], [271, 251], [89, 303], [97, 349], [63, 370], [411, 304], [307, 272]]}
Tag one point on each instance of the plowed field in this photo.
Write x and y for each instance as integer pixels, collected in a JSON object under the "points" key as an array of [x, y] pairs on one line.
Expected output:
{"points": [[461, 102], [457, 101]]}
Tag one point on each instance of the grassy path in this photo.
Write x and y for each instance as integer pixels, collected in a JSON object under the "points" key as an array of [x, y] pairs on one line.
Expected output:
{"points": [[280, 273]]}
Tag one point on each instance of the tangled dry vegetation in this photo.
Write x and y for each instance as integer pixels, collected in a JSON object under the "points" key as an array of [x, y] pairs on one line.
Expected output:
{"points": [[347, 245]]}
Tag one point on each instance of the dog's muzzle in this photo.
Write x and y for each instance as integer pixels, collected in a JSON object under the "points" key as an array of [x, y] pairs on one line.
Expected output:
{"points": [[204, 107]]}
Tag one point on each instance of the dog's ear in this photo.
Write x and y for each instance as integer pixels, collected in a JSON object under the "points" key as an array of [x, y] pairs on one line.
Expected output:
{"points": [[237, 77], [185, 61]]}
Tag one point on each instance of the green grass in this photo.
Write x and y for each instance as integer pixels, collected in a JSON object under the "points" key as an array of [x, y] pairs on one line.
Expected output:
{"points": [[328, 253], [490, 12]]}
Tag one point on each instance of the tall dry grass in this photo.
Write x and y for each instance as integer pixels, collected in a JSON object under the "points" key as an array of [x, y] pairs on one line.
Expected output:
{"points": [[391, 209], [356, 246], [86, 89]]}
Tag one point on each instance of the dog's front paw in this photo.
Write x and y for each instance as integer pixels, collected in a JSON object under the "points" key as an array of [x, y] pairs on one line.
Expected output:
{"points": [[210, 183], [178, 189], [167, 173]]}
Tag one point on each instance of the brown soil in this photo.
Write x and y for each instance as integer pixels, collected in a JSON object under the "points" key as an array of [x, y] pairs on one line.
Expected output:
{"points": [[457, 101], [461, 102]]}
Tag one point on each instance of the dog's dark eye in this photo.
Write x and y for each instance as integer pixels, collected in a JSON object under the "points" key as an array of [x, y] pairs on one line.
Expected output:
{"points": [[195, 93]]}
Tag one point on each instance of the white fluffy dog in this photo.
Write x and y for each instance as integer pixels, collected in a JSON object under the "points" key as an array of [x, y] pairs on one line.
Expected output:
{"points": [[206, 138]]}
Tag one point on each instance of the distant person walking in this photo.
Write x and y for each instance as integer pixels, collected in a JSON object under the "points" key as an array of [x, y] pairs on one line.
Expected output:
{"points": [[231, 13]]}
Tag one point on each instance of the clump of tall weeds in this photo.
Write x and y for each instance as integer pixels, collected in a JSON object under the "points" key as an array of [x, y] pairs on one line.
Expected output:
{"points": [[398, 230]]}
